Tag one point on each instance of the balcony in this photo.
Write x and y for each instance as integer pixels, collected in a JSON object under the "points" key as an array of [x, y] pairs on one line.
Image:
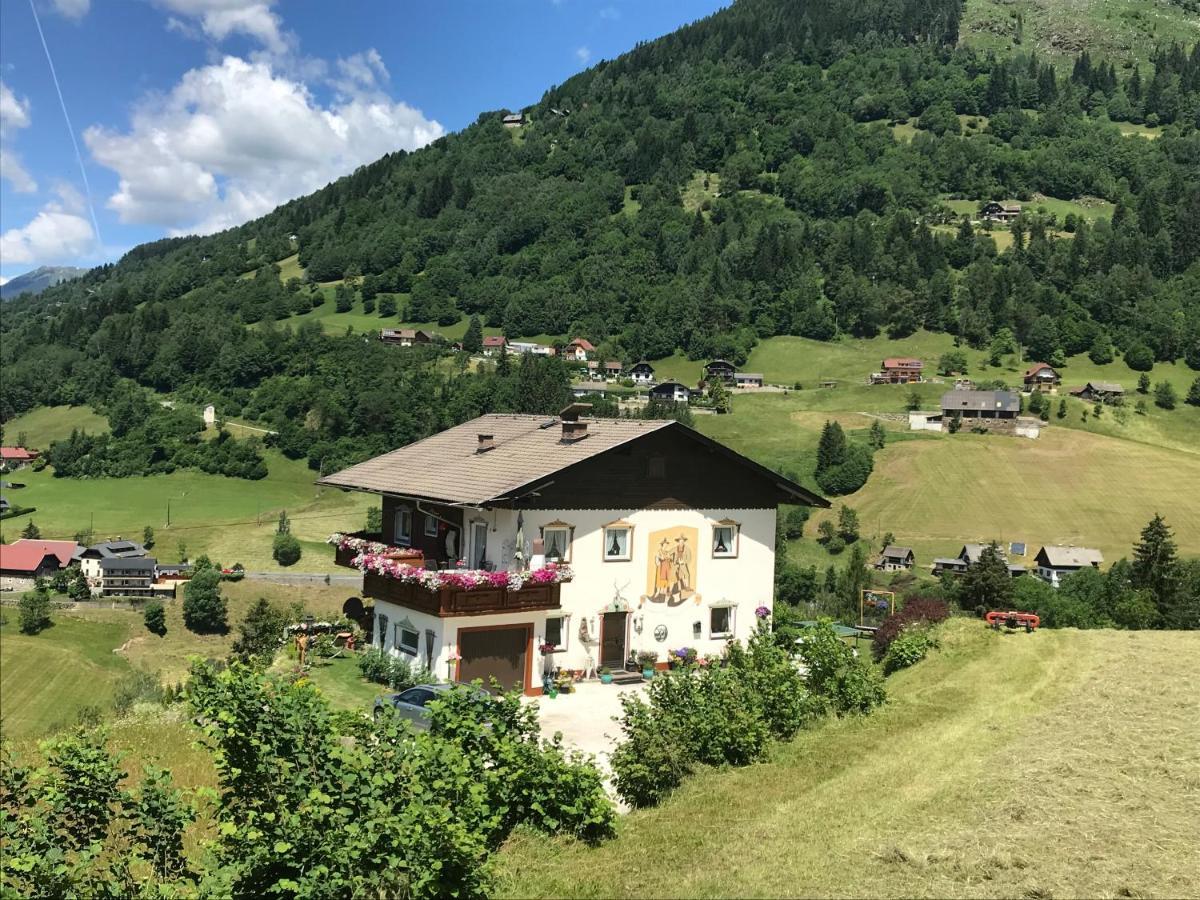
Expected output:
{"points": [[347, 546], [447, 600]]}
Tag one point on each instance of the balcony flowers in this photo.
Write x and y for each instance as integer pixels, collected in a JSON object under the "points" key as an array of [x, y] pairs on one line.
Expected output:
{"points": [[683, 657], [388, 566], [362, 545]]}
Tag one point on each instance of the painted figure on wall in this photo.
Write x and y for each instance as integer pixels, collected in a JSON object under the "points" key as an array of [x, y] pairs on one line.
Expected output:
{"points": [[672, 575]]}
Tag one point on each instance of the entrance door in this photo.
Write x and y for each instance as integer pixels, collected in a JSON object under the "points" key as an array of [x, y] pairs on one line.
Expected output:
{"points": [[612, 643], [498, 653], [478, 546]]}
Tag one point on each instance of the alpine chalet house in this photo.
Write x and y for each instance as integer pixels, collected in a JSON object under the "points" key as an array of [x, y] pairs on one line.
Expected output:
{"points": [[898, 370], [1041, 377], [513, 544], [1055, 563]]}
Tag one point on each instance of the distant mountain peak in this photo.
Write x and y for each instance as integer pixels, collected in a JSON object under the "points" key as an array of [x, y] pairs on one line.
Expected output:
{"points": [[38, 280]]}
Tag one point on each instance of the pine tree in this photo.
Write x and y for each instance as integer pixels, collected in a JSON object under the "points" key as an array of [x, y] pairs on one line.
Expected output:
{"points": [[1062, 408], [1193, 394], [1143, 383], [31, 532], [848, 523], [831, 450], [1164, 395], [987, 582], [878, 435], [473, 339], [1155, 562]]}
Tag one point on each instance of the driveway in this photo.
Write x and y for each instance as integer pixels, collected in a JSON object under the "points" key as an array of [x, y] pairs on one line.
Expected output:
{"points": [[585, 717]]}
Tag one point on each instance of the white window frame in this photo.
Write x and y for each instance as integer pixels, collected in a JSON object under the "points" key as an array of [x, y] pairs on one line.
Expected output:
{"points": [[568, 531], [735, 537], [402, 536], [472, 562], [411, 649], [564, 632], [723, 635], [628, 554]]}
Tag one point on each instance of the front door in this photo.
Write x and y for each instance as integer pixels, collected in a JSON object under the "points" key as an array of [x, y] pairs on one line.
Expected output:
{"points": [[498, 653], [612, 643]]}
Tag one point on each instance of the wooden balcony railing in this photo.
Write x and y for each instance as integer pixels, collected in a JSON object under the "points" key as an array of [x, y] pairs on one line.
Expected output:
{"points": [[451, 601]]}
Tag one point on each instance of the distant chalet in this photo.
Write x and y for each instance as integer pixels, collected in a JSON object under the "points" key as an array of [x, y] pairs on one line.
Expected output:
{"points": [[1041, 377], [513, 120], [981, 404], [1099, 391], [405, 337], [1001, 212], [898, 370]]}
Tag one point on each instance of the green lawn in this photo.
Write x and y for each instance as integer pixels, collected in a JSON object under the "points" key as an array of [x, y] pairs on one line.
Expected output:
{"points": [[1002, 766], [1129, 129], [52, 423], [230, 519], [340, 681], [46, 679]]}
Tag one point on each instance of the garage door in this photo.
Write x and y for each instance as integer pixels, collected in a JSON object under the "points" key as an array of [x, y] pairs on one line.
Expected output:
{"points": [[494, 653]]}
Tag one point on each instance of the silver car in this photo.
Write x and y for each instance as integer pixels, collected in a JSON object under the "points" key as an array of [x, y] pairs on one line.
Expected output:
{"points": [[413, 704]]}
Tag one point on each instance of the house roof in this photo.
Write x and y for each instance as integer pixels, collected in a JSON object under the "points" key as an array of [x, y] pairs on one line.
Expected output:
{"points": [[1058, 557], [514, 117], [582, 343], [642, 364], [668, 387], [493, 340], [613, 364], [26, 556], [723, 363], [115, 550], [1104, 387], [748, 376], [902, 362], [894, 552], [1039, 367], [974, 551], [1004, 401], [17, 454], [447, 467], [137, 563]]}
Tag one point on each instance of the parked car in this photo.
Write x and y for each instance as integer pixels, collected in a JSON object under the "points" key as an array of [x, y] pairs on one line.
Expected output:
{"points": [[413, 704]]}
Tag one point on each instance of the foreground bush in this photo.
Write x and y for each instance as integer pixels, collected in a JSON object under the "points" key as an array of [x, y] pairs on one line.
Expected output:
{"points": [[394, 671], [909, 648], [33, 609], [836, 675], [923, 610]]}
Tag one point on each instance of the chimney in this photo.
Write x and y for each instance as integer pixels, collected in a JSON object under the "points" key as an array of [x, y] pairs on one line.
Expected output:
{"points": [[486, 442]]}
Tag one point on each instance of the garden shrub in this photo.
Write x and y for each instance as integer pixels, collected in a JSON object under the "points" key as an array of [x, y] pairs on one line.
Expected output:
{"points": [[394, 671], [913, 610], [652, 760], [155, 617], [909, 648], [285, 549], [835, 674], [33, 610]]}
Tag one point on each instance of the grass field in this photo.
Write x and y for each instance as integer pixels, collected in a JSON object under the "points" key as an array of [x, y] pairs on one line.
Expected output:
{"points": [[53, 423], [230, 519], [1003, 766]]}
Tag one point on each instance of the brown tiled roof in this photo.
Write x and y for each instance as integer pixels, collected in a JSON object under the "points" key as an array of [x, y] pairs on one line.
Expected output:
{"points": [[1070, 557], [448, 468]]}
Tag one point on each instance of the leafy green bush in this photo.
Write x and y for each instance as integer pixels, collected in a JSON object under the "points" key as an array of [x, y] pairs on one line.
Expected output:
{"points": [[653, 759], [914, 610], [155, 617], [394, 671], [909, 648], [835, 674], [285, 549], [204, 609], [34, 611]]}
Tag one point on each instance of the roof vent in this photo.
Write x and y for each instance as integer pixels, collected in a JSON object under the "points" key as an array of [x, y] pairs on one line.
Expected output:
{"points": [[573, 431], [486, 442]]}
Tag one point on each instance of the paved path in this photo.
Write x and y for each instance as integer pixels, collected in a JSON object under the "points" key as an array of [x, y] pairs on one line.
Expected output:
{"points": [[354, 581]]}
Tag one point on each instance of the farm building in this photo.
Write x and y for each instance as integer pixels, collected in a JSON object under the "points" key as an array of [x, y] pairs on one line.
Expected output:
{"points": [[981, 404], [89, 559], [1054, 563], [968, 556], [584, 391], [671, 391], [519, 347], [895, 559], [1041, 377], [898, 370], [13, 458], [612, 369], [513, 120], [23, 561], [583, 542], [1099, 392], [128, 577]]}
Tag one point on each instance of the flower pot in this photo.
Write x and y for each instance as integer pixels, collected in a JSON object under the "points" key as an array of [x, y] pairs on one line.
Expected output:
{"points": [[606, 678], [553, 693], [648, 673]]}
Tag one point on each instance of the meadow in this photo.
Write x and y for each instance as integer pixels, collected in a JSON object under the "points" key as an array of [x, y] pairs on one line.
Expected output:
{"points": [[1005, 765]]}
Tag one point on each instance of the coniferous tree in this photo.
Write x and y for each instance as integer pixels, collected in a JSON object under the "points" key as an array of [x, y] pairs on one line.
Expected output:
{"points": [[1193, 394], [987, 582], [1164, 395], [1155, 562], [831, 449], [1143, 384], [473, 338], [31, 532]]}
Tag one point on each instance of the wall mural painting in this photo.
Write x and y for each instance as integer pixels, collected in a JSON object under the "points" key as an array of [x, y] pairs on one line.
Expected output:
{"points": [[673, 557]]}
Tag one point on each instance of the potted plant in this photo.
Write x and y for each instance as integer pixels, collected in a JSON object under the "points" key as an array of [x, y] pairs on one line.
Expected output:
{"points": [[683, 657], [606, 676], [647, 659], [547, 650]]}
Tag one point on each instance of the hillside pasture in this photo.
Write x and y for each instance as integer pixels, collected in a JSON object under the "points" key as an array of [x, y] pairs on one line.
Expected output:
{"points": [[1002, 766], [47, 424]]}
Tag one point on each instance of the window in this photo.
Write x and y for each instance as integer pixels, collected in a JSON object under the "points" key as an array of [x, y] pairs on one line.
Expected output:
{"points": [[725, 539], [430, 638], [402, 533], [617, 543], [381, 631], [477, 550], [556, 632], [720, 622], [416, 696], [656, 467], [406, 639], [556, 539], [431, 526]]}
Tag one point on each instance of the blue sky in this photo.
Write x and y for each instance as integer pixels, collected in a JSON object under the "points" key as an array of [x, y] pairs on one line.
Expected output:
{"points": [[193, 115]]}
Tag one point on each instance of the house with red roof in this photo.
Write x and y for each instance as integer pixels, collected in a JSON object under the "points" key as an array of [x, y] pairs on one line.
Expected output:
{"points": [[898, 370], [1042, 377], [25, 560], [578, 350], [493, 344], [12, 458]]}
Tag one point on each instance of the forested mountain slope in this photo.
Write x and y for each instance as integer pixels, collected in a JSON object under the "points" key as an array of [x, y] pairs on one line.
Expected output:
{"points": [[738, 179]]}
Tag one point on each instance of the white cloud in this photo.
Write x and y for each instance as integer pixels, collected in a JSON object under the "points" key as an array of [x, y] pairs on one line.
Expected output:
{"points": [[361, 71], [72, 9], [610, 13], [3, 281], [14, 114], [583, 54], [218, 19], [56, 234], [234, 140]]}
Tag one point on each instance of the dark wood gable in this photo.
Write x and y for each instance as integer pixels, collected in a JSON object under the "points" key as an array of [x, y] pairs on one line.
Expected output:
{"points": [[667, 469]]}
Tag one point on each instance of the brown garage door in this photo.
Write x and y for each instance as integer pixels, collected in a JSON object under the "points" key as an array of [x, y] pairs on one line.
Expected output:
{"points": [[494, 653]]}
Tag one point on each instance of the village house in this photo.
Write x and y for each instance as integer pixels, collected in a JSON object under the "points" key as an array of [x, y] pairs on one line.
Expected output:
{"points": [[570, 542], [13, 458], [586, 391], [1000, 212], [895, 559], [612, 369], [513, 120], [642, 373], [671, 392], [128, 577], [1100, 392], [493, 344], [981, 404], [1055, 563], [89, 558], [898, 370], [748, 380], [968, 556], [719, 370], [1042, 377], [23, 561], [578, 350], [593, 370], [519, 347], [405, 337]]}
